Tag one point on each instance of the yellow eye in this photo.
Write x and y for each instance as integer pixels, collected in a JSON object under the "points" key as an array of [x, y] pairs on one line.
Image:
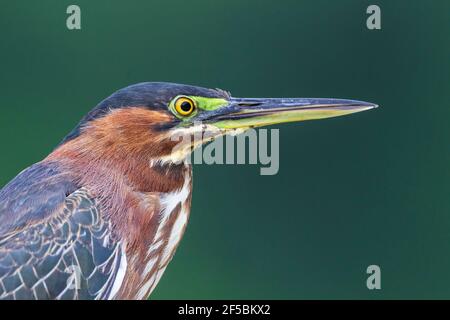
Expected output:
{"points": [[184, 106]]}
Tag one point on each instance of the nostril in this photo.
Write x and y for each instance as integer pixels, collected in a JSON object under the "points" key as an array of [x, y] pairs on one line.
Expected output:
{"points": [[249, 104]]}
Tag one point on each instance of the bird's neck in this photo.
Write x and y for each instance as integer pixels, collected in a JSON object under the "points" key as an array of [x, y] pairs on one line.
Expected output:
{"points": [[122, 145], [127, 185], [92, 165]]}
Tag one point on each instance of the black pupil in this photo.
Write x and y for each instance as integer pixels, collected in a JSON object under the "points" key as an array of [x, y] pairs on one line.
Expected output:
{"points": [[186, 106]]}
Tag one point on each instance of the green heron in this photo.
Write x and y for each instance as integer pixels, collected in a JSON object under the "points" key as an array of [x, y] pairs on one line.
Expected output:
{"points": [[102, 215]]}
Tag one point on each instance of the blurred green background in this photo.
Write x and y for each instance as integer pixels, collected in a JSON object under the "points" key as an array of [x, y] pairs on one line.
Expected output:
{"points": [[371, 188]]}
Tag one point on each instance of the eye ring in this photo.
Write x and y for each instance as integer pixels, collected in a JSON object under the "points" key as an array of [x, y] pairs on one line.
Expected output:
{"points": [[184, 106]]}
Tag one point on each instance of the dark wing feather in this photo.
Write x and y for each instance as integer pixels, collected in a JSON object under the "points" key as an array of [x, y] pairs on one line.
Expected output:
{"points": [[69, 253], [33, 195]]}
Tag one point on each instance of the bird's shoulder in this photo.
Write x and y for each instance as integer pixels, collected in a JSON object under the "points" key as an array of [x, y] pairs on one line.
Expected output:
{"points": [[71, 254], [34, 194], [54, 241]]}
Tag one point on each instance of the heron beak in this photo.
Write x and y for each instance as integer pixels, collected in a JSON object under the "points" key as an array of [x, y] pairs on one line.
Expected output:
{"points": [[248, 113]]}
